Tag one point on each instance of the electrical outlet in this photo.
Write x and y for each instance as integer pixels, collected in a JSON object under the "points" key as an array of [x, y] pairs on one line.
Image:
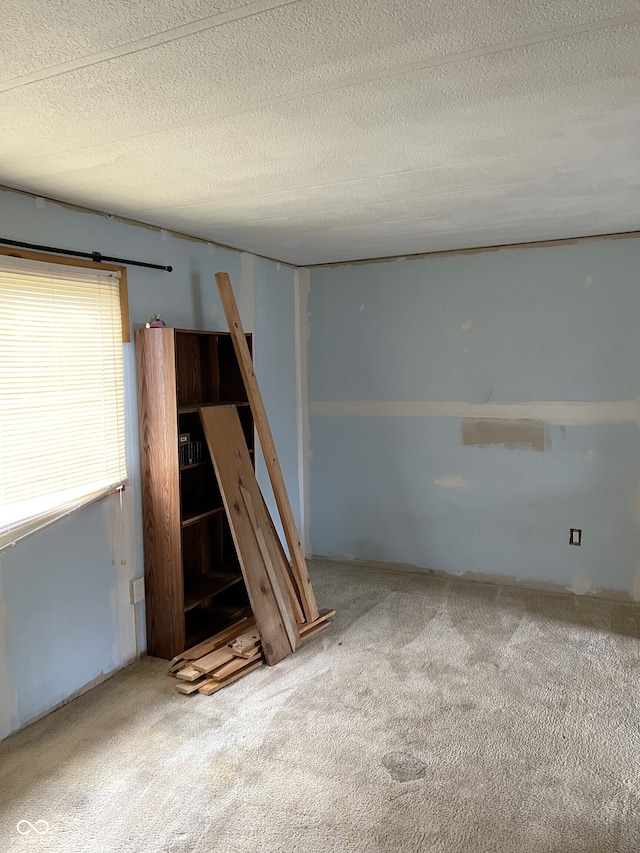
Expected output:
{"points": [[137, 590], [575, 537]]}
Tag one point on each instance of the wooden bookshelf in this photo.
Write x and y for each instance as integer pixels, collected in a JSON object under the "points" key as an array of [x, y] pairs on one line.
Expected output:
{"points": [[194, 586]]}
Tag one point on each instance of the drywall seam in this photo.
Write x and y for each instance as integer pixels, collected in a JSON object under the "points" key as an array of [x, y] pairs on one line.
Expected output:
{"points": [[477, 577], [635, 589], [155, 40], [452, 481], [371, 76], [560, 413], [8, 697], [246, 292], [302, 288]]}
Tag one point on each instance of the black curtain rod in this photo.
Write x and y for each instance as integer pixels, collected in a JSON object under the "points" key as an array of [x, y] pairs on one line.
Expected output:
{"points": [[92, 256]]}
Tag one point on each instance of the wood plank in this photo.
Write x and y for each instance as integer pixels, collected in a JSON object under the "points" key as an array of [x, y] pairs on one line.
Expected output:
{"points": [[233, 467], [220, 639], [189, 673], [233, 666], [257, 655], [248, 639], [248, 653], [279, 557], [268, 447], [194, 519], [214, 686], [188, 687], [213, 660], [276, 572], [314, 631], [325, 614], [160, 492]]}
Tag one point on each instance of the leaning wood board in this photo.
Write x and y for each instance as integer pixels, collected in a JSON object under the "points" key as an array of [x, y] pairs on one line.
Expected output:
{"points": [[234, 471], [265, 436], [277, 571]]}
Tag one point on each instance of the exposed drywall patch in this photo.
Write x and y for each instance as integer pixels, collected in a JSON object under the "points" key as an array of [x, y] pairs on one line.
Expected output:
{"points": [[636, 505], [635, 591], [452, 481], [580, 583], [465, 350], [560, 413], [119, 514], [468, 324], [513, 435], [588, 281], [302, 286], [40, 202], [246, 294]]}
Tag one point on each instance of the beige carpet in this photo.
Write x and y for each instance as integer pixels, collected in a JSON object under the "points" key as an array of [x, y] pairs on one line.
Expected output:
{"points": [[432, 716]]}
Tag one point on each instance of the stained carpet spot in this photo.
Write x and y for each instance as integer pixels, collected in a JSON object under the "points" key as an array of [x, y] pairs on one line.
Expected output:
{"points": [[403, 767]]}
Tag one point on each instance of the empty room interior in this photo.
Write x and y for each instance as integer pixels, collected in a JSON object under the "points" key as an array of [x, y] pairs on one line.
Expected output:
{"points": [[319, 426]]}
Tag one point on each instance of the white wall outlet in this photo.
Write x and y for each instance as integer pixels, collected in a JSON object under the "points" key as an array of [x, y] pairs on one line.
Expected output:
{"points": [[137, 590]]}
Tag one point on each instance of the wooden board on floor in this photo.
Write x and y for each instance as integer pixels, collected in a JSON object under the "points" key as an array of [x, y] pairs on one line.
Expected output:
{"points": [[219, 640], [213, 660], [232, 463], [188, 687], [189, 673], [316, 630], [265, 437], [323, 617], [245, 642], [236, 665], [214, 686]]}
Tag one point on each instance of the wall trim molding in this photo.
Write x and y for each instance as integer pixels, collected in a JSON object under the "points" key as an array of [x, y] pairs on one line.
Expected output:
{"points": [[445, 253]]}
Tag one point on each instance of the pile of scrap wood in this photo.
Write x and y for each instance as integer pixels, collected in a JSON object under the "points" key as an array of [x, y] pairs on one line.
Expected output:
{"points": [[226, 657], [282, 600]]}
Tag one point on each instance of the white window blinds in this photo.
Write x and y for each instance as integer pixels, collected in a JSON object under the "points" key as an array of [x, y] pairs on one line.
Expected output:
{"points": [[61, 392]]}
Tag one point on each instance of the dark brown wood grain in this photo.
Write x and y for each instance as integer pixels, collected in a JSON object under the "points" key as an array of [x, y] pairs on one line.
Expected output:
{"points": [[160, 491]]}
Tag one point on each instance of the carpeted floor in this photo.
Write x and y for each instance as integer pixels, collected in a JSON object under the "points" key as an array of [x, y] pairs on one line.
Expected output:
{"points": [[432, 716]]}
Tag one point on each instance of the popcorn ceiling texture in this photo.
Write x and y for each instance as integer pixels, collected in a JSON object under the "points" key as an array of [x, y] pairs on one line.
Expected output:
{"points": [[318, 132], [431, 716]]}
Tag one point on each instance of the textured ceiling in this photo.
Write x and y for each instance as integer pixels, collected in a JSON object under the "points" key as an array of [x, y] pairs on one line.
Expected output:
{"points": [[330, 130]]}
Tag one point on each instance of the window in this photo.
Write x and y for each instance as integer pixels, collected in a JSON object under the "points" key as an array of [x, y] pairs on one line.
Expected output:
{"points": [[61, 391]]}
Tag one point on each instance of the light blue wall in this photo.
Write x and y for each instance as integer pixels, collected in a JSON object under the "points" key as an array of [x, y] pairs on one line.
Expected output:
{"points": [[542, 324], [275, 360], [65, 616]]}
